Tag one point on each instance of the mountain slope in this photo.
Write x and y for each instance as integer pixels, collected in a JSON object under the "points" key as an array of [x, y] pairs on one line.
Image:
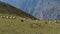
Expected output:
{"points": [[6, 8]]}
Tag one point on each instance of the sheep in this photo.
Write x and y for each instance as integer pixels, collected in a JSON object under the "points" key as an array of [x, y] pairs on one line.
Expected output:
{"points": [[7, 17], [14, 17], [50, 22], [10, 17], [2, 16], [22, 19], [57, 21]]}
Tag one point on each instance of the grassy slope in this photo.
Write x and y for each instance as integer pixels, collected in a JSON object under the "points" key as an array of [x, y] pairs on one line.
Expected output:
{"points": [[15, 26]]}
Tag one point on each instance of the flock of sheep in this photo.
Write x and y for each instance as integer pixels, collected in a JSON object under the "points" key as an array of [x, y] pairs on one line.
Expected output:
{"points": [[8, 17]]}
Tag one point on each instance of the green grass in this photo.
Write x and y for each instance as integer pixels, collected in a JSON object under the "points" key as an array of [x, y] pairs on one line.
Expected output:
{"points": [[15, 26], [28, 26]]}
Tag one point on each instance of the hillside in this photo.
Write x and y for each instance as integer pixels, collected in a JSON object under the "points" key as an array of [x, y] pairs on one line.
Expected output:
{"points": [[24, 24], [41, 9], [6, 8]]}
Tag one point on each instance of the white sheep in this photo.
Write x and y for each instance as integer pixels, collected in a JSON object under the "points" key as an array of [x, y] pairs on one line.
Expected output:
{"points": [[50, 22], [10, 17], [2, 16], [7, 17], [57, 21], [13, 17]]}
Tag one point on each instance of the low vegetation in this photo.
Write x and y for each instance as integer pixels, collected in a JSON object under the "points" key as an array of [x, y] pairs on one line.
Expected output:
{"points": [[25, 25], [21, 25]]}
